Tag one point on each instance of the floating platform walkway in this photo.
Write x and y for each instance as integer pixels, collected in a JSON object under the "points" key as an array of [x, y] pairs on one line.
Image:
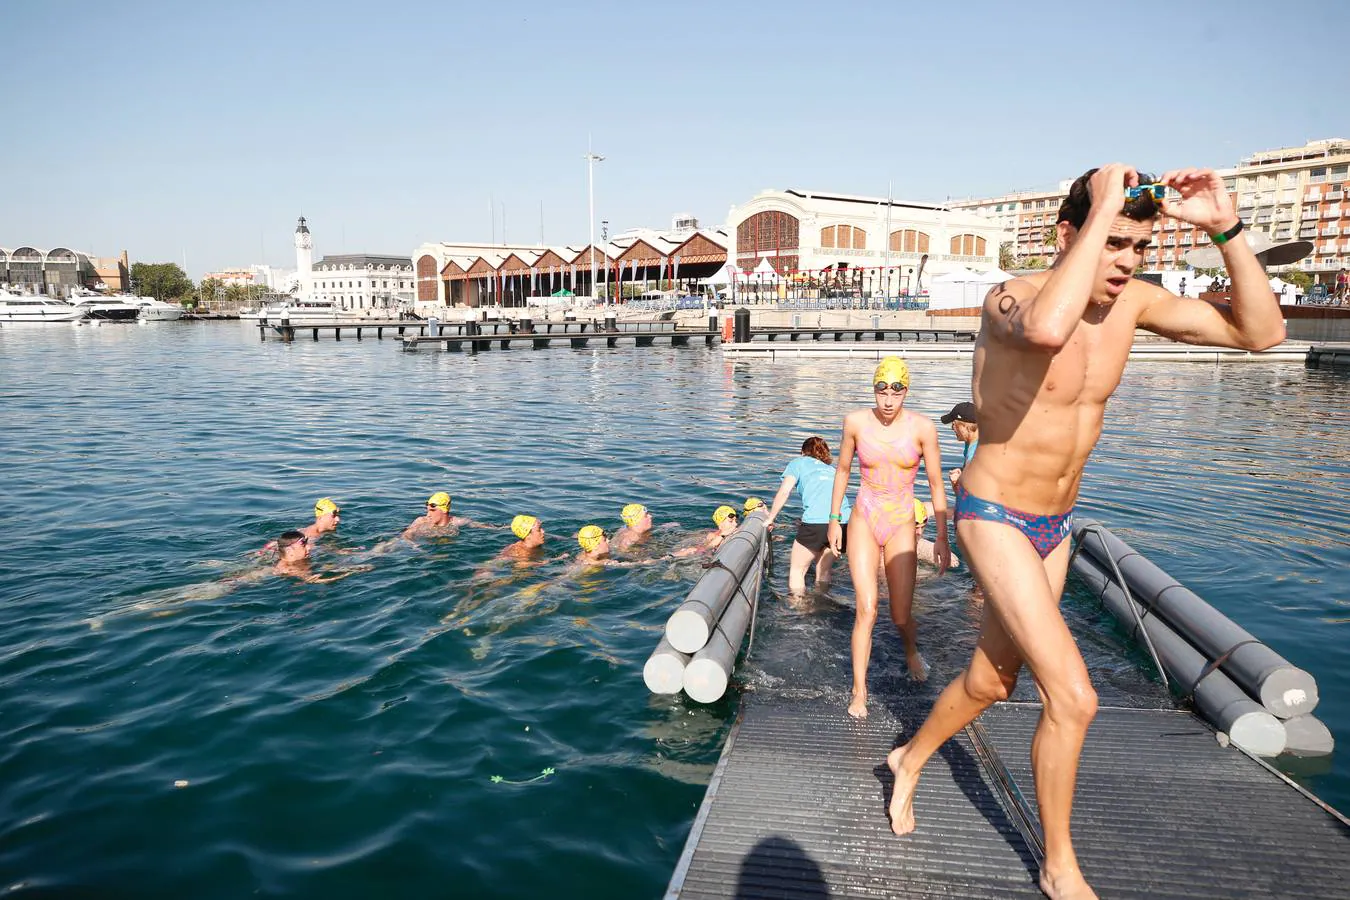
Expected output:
{"points": [[1329, 356], [797, 808]]}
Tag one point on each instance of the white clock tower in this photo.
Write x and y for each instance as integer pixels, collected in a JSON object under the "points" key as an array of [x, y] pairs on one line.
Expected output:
{"points": [[304, 258]]}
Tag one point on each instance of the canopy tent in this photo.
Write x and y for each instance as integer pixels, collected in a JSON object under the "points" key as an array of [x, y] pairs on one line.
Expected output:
{"points": [[958, 289], [764, 273], [1278, 286], [993, 276], [723, 276], [563, 293]]}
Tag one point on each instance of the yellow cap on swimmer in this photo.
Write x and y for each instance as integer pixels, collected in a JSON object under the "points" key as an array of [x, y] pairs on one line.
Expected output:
{"points": [[752, 503], [720, 514], [440, 500], [890, 370], [523, 525], [590, 537], [632, 514], [324, 507], [920, 512]]}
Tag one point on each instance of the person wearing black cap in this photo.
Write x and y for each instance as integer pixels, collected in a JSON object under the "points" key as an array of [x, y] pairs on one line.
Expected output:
{"points": [[965, 422]]}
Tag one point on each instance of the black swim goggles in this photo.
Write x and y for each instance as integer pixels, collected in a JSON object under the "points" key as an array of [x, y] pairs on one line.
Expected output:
{"points": [[895, 386]]}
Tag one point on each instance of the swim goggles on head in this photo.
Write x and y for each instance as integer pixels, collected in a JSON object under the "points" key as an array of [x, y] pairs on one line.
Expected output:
{"points": [[1157, 190]]}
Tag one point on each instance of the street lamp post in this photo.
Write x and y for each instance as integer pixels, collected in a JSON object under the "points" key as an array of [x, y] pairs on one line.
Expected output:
{"points": [[591, 159]]}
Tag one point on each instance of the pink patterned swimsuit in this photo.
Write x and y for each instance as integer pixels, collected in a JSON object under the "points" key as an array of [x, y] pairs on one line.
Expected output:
{"points": [[888, 466]]}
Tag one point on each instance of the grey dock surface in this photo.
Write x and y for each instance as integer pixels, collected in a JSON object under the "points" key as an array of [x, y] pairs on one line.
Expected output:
{"points": [[797, 808]]}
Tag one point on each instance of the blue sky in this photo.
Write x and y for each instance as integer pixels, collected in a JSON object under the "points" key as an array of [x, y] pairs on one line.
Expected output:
{"points": [[172, 128]]}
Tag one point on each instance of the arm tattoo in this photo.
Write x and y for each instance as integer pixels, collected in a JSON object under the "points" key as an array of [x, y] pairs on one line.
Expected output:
{"points": [[1011, 309]]}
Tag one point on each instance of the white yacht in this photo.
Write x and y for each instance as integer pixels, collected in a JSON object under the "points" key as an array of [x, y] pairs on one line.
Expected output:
{"points": [[102, 308], [18, 309], [153, 310], [300, 311]]}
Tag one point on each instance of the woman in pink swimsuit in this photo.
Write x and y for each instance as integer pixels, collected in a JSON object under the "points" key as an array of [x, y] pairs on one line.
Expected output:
{"points": [[890, 442]]}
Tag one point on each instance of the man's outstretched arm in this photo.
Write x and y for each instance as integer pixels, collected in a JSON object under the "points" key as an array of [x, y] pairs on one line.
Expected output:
{"points": [[1253, 320]]}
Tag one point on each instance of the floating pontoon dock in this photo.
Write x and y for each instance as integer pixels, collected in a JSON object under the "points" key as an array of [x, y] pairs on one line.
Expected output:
{"points": [[797, 808]]}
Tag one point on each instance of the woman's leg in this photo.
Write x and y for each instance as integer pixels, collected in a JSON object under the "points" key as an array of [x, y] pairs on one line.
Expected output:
{"points": [[862, 565], [798, 563], [901, 565], [824, 567]]}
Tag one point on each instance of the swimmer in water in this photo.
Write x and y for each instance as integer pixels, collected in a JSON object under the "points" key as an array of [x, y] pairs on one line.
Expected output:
{"points": [[531, 533], [637, 524], [727, 521], [437, 518], [890, 443], [594, 545], [327, 517], [293, 547]]}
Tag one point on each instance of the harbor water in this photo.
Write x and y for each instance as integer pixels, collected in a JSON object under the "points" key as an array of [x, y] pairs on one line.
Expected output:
{"points": [[175, 722]]}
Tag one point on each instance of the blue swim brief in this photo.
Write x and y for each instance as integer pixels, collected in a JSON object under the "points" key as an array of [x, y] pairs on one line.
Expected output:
{"points": [[1045, 532]]}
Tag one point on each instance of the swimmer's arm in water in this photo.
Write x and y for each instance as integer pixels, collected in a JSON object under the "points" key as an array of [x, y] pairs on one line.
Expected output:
{"points": [[338, 575]]}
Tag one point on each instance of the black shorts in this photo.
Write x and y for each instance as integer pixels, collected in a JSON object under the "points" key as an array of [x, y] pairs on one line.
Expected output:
{"points": [[817, 537]]}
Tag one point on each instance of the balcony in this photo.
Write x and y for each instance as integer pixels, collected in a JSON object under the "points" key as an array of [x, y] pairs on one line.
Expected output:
{"points": [[1331, 212], [1325, 250], [1333, 231], [1335, 195], [1312, 196]]}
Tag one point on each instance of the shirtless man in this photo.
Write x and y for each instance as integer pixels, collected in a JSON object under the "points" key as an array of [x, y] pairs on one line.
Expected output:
{"points": [[327, 516], [531, 533], [1051, 351], [637, 522], [293, 548], [437, 517]]}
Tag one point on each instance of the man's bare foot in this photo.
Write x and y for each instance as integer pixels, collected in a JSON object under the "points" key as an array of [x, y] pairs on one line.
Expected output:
{"points": [[902, 798], [1066, 886], [918, 666], [857, 707]]}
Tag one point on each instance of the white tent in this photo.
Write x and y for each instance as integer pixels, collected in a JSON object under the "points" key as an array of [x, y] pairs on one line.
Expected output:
{"points": [[764, 273], [993, 276], [958, 289], [723, 276]]}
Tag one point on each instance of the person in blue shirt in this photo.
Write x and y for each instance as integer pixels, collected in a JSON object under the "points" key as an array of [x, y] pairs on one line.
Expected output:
{"points": [[965, 422], [812, 474]]}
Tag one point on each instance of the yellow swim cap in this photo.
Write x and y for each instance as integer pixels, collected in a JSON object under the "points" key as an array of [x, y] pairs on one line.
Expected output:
{"points": [[891, 369], [324, 507], [590, 537], [523, 525], [440, 500], [632, 514], [920, 512], [720, 514], [753, 503]]}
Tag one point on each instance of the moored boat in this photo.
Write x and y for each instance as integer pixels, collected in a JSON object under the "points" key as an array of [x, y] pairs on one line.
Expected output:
{"points": [[36, 309]]}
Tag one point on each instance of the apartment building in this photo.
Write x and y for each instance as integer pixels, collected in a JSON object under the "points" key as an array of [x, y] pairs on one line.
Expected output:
{"points": [[1293, 193]]}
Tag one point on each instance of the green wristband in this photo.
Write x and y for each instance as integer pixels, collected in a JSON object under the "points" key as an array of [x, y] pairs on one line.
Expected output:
{"points": [[1226, 236], [835, 517]]}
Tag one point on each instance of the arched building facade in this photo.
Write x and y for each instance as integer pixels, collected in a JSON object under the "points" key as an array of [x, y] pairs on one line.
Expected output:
{"points": [[888, 246]]}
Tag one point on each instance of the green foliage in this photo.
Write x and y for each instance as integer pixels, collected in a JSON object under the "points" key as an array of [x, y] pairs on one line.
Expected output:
{"points": [[208, 292], [1007, 260], [1298, 278], [1035, 262], [163, 281]]}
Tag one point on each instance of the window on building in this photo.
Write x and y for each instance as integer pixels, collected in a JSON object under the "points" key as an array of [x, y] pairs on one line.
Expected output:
{"points": [[1317, 176], [909, 240], [968, 245], [1339, 171]]}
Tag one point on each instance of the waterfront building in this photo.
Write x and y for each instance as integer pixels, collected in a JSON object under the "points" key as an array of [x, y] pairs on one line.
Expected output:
{"points": [[1292, 193], [231, 277], [871, 244], [481, 274], [59, 271], [351, 280]]}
